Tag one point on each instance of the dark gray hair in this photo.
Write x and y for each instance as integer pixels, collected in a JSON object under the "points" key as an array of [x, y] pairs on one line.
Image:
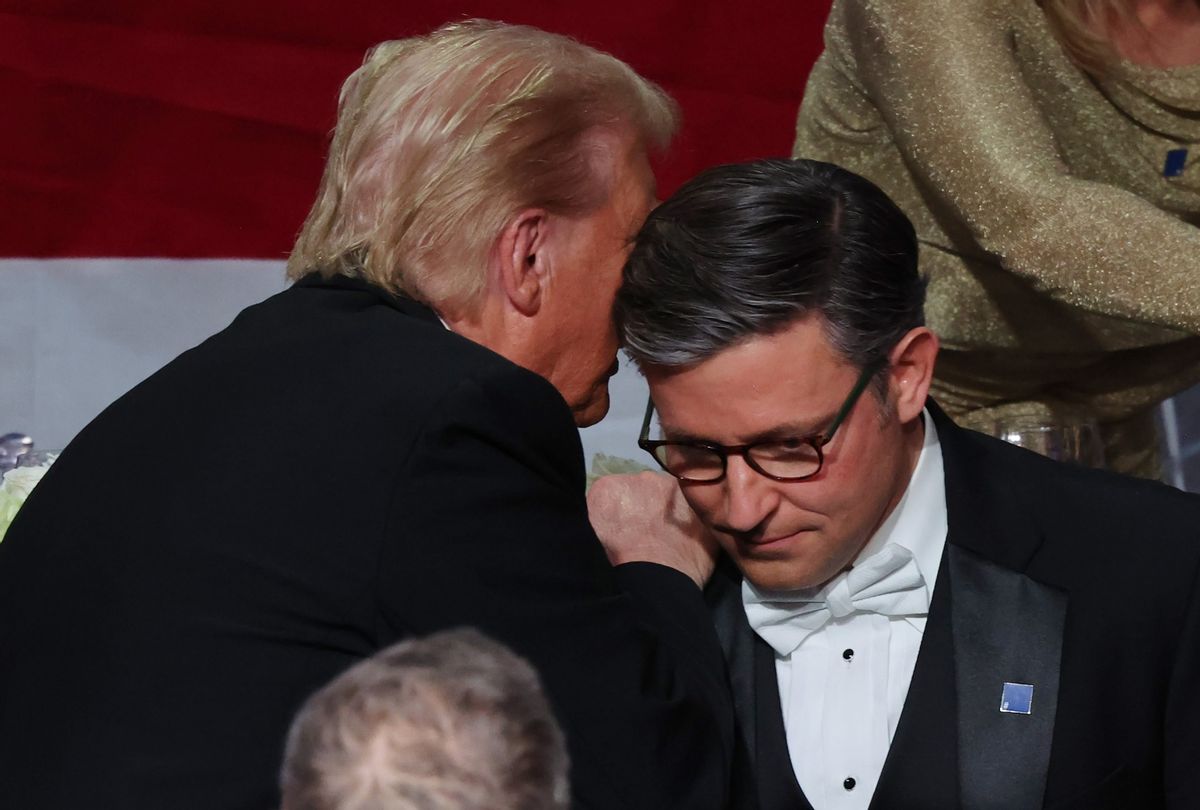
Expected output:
{"points": [[745, 249], [454, 721]]}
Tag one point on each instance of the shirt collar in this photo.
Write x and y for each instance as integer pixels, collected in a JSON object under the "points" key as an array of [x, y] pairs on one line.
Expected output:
{"points": [[918, 523]]}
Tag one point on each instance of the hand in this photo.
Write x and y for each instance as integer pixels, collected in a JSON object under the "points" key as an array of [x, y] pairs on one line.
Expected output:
{"points": [[643, 517]]}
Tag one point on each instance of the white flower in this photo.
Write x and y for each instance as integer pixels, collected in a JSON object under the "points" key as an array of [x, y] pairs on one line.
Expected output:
{"points": [[14, 489]]}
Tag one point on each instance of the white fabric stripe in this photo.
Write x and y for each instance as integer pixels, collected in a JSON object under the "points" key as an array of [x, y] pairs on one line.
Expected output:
{"points": [[75, 334]]}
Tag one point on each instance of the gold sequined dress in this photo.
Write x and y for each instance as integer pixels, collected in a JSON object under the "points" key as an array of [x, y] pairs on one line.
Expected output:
{"points": [[1063, 265]]}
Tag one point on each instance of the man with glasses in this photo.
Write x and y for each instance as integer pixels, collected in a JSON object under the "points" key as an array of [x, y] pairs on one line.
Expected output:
{"points": [[913, 615]]}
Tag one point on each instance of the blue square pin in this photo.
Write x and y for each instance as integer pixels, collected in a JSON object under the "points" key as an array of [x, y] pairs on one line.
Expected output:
{"points": [[1176, 160], [1017, 698]]}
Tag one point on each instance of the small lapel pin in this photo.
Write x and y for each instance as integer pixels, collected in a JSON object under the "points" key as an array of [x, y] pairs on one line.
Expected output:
{"points": [[1176, 160], [1017, 698]]}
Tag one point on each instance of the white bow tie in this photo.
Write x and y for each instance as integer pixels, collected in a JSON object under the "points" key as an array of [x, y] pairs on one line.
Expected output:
{"points": [[888, 582]]}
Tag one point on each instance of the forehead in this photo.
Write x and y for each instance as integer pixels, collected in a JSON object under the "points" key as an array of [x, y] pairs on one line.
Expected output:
{"points": [[793, 377]]}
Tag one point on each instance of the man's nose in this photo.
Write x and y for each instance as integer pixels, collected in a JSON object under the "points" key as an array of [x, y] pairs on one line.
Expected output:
{"points": [[749, 497]]}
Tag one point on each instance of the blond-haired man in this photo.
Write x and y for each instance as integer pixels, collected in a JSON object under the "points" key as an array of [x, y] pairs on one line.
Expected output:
{"points": [[386, 449], [453, 721]]}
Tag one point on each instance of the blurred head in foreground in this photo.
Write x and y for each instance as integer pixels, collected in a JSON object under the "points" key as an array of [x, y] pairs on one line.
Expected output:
{"points": [[453, 721]]}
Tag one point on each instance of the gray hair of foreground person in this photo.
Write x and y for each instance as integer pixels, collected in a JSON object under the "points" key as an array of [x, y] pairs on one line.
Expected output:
{"points": [[441, 138], [454, 721], [745, 249]]}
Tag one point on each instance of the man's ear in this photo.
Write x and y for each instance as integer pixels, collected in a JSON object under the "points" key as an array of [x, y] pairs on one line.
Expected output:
{"points": [[523, 261], [911, 371]]}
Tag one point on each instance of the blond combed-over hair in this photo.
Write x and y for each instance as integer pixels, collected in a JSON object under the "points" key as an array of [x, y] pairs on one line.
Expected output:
{"points": [[453, 721], [442, 138]]}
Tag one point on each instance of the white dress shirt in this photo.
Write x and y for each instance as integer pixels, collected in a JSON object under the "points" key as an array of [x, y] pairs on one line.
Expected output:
{"points": [[843, 688]]}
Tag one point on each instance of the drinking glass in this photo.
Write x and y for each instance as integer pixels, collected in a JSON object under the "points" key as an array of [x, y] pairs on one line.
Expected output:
{"points": [[1074, 442]]}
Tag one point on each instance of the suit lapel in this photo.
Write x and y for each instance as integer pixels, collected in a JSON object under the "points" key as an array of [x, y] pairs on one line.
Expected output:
{"points": [[920, 771], [737, 641], [1007, 630], [778, 788], [1005, 627], [763, 778]]}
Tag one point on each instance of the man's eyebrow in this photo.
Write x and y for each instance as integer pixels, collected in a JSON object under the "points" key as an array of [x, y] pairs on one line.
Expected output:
{"points": [[675, 435], [787, 430]]}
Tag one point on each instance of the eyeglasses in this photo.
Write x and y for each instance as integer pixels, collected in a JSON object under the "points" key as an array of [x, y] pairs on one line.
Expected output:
{"points": [[793, 459]]}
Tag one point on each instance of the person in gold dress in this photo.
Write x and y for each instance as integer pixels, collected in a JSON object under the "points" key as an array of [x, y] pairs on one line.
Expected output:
{"points": [[1049, 156]]}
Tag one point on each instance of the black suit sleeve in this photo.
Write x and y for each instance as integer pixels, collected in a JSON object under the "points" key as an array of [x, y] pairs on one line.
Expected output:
{"points": [[489, 529], [1182, 732]]}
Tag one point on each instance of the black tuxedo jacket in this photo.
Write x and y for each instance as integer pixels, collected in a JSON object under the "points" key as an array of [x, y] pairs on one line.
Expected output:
{"points": [[1081, 583], [333, 472]]}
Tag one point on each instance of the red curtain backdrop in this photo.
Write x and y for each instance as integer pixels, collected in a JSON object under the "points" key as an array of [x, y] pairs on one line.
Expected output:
{"points": [[197, 128]]}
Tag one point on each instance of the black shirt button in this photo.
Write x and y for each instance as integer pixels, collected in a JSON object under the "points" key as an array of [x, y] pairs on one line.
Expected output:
{"points": [[849, 783], [847, 654]]}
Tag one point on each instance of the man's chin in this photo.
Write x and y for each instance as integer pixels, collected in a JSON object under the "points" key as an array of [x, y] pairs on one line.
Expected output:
{"points": [[779, 575], [593, 410]]}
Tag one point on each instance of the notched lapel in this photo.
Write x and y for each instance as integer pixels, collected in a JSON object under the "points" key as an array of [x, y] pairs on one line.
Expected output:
{"points": [[1007, 628], [724, 599], [737, 641], [763, 778], [921, 769]]}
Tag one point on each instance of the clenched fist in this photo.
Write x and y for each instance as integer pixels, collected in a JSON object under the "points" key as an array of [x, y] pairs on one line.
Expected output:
{"points": [[643, 517]]}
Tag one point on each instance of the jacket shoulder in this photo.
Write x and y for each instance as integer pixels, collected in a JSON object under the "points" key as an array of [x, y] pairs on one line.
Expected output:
{"points": [[1111, 520]]}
